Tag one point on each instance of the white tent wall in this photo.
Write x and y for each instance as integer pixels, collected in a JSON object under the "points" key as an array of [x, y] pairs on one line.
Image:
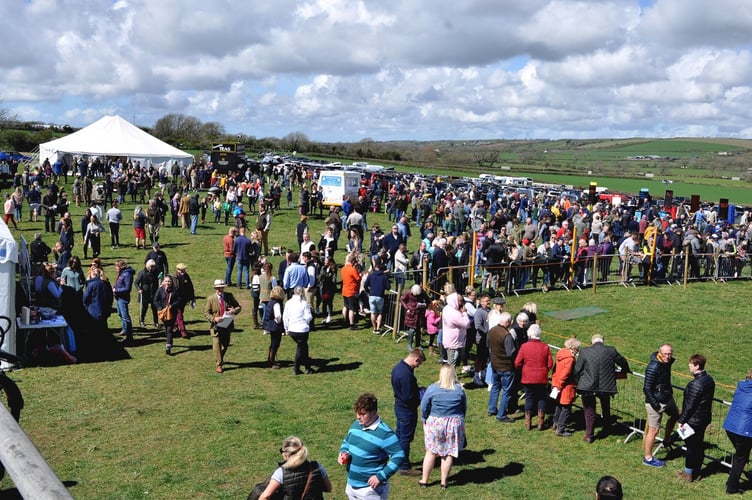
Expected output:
{"points": [[8, 260], [115, 136]]}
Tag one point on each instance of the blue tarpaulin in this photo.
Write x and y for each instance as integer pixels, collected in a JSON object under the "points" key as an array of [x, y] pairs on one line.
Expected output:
{"points": [[4, 155]]}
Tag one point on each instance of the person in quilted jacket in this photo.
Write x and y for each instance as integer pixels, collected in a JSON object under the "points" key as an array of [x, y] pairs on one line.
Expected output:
{"points": [[595, 370], [697, 412]]}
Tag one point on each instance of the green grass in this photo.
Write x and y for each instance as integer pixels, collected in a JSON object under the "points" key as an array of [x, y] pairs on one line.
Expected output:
{"points": [[737, 192], [154, 426]]}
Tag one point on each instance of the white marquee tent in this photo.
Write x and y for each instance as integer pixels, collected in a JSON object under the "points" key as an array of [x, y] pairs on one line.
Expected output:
{"points": [[8, 260], [114, 136]]}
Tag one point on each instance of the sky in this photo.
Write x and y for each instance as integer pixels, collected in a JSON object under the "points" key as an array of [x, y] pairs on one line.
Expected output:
{"points": [[346, 70]]}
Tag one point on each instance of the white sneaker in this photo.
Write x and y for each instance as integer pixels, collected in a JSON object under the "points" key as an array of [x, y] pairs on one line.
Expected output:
{"points": [[327, 320], [466, 369]]}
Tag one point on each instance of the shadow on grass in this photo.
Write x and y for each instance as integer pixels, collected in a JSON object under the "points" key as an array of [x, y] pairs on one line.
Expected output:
{"points": [[469, 457], [330, 366], [472, 386], [484, 475], [710, 469], [14, 494], [100, 348], [229, 365], [319, 365], [184, 349]]}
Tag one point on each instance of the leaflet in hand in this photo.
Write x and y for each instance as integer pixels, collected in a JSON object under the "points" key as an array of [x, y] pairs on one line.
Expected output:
{"points": [[685, 431], [226, 320]]}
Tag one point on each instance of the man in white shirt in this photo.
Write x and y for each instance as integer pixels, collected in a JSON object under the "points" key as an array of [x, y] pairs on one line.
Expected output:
{"points": [[114, 216]]}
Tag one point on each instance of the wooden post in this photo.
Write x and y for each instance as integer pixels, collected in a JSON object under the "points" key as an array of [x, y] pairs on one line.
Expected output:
{"points": [[25, 465], [686, 265], [572, 256], [653, 246]]}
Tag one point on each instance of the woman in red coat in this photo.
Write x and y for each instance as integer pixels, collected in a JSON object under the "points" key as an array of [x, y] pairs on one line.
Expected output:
{"points": [[535, 360], [565, 383]]}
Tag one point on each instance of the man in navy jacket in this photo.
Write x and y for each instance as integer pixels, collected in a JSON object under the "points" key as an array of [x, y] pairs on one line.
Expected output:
{"points": [[406, 402]]}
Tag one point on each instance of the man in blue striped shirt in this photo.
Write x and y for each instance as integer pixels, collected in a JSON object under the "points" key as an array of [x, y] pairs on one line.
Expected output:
{"points": [[370, 451]]}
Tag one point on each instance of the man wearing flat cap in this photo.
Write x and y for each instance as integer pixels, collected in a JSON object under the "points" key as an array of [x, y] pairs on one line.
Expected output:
{"points": [[220, 311], [184, 288]]}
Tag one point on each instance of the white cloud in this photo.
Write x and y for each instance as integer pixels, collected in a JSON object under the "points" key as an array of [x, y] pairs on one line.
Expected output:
{"points": [[347, 69]]}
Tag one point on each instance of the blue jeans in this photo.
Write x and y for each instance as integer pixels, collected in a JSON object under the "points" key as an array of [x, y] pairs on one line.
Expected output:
{"points": [[454, 356], [502, 382], [407, 421], [194, 223], [125, 317], [228, 273], [243, 267]]}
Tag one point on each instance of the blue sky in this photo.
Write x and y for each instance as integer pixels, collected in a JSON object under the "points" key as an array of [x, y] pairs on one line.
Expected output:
{"points": [[342, 70]]}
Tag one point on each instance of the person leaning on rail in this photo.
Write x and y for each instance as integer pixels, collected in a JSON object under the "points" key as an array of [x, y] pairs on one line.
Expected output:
{"points": [[738, 426]]}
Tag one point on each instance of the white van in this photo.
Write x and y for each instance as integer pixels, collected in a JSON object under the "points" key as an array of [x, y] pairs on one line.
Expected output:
{"points": [[339, 183]]}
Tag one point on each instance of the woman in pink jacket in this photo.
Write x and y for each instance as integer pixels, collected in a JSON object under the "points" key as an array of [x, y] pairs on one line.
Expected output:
{"points": [[535, 360], [433, 323], [455, 321]]}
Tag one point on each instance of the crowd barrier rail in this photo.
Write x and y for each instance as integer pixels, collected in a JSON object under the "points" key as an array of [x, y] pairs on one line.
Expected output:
{"points": [[590, 273]]}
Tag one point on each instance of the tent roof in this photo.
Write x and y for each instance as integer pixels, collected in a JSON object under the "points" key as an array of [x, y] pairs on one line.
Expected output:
{"points": [[113, 136]]}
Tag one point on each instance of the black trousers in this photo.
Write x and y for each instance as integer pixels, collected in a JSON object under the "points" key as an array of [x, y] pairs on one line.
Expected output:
{"points": [[695, 450], [301, 351], [742, 447]]}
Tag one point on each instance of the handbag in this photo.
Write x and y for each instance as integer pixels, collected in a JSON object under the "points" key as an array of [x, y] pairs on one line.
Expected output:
{"points": [[165, 314], [257, 490]]}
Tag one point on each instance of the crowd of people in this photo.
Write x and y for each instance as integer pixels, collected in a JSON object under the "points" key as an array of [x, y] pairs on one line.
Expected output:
{"points": [[455, 322]]}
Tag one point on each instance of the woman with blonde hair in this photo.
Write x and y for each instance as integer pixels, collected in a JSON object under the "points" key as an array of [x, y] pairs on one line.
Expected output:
{"points": [[297, 325], [531, 309], [297, 477], [564, 385], [443, 409], [18, 199]]}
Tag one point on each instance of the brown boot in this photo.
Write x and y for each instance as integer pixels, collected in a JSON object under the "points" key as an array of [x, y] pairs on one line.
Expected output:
{"points": [[541, 419], [273, 359], [431, 352], [684, 476], [528, 420]]}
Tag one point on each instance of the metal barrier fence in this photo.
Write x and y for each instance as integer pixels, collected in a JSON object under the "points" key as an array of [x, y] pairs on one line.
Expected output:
{"points": [[392, 313], [589, 273], [629, 404]]}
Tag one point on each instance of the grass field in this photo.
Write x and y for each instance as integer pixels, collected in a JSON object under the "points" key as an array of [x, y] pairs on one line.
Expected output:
{"points": [[154, 426]]}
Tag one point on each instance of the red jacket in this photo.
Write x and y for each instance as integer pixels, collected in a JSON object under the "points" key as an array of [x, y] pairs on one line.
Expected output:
{"points": [[563, 378], [535, 360]]}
